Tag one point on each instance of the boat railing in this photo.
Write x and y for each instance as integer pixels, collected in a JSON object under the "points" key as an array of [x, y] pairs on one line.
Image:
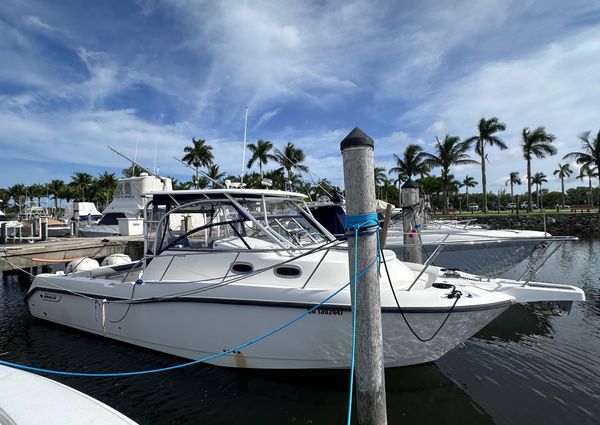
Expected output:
{"points": [[545, 248]]}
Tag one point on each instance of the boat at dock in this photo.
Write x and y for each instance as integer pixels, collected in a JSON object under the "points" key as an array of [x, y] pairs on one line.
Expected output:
{"points": [[127, 205], [29, 399], [462, 245], [226, 266]]}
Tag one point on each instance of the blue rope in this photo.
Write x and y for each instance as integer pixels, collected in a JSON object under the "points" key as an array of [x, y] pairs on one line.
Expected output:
{"points": [[195, 362], [356, 223]]}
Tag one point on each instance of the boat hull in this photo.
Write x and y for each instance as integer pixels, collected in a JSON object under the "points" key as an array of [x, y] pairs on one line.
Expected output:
{"points": [[201, 327]]}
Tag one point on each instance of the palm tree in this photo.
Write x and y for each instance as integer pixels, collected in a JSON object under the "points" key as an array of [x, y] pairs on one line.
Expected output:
{"points": [[589, 172], [513, 179], [468, 182], [537, 180], [413, 162], [38, 191], [18, 193], [260, 153], [380, 176], [198, 155], [590, 153], [536, 143], [563, 171], [82, 182], [448, 153], [107, 184], [55, 187], [199, 182], [487, 129], [214, 174], [291, 158]]}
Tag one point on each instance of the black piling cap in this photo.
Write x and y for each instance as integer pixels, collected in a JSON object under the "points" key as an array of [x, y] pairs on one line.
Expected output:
{"points": [[409, 184], [357, 137]]}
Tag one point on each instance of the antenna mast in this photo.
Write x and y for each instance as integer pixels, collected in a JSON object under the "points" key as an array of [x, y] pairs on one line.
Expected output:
{"points": [[244, 151]]}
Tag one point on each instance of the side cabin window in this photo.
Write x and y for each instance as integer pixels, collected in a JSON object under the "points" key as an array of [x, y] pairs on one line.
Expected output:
{"points": [[110, 219]]}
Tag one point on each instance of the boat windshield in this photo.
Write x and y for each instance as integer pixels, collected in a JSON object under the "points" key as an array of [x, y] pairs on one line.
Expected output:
{"points": [[246, 223]]}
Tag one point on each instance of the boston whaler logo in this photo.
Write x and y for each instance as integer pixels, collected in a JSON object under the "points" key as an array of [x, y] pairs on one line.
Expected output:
{"points": [[50, 297]]}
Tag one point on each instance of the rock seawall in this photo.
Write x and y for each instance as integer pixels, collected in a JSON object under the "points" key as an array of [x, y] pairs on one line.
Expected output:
{"points": [[556, 224]]}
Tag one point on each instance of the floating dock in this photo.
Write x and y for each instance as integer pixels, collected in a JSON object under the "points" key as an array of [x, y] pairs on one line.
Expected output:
{"points": [[33, 254]]}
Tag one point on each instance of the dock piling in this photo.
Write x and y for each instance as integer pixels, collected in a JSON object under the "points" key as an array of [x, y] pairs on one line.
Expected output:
{"points": [[409, 196], [357, 152], [3, 233]]}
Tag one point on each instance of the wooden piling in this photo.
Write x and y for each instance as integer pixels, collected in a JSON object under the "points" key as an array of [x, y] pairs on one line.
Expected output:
{"points": [[357, 151], [413, 250]]}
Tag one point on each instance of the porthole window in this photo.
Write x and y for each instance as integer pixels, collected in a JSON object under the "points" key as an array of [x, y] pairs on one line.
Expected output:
{"points": [[288, 271], [242, 268]]}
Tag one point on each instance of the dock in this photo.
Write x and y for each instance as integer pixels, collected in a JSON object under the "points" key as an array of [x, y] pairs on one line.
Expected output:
{"points": [[22, 255]]}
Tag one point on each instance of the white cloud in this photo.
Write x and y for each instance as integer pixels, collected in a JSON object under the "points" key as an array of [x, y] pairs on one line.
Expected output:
{"points": [[556, 87]]}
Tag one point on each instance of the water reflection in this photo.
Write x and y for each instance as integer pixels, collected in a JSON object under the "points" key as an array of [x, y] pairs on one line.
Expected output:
{"points": [[525, 367], [518, 321]]}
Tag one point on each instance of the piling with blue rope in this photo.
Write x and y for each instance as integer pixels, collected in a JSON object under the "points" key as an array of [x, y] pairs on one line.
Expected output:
{"points": [[357, 151]]}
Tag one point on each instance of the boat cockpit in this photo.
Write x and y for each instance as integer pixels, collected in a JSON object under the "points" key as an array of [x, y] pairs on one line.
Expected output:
{"points": [[231, 219]]}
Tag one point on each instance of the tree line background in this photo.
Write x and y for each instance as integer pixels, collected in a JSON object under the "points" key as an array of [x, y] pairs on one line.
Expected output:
{"points": [[290, 173]]}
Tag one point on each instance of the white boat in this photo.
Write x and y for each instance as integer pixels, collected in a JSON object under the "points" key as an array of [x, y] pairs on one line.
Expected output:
{"points": [[29, 399], [476, 250], [128, 203], [13, 227], [467, 246], [229, 265], [85, 212]]}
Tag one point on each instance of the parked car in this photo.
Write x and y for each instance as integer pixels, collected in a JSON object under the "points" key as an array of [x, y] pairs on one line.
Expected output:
{"points": [[473, 207], [511, 206], [524, 205], [495, 206]]}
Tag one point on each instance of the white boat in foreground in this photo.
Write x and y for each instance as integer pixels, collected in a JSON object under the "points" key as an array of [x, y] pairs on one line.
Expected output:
{"points": [[29, 399], [230, 265]]}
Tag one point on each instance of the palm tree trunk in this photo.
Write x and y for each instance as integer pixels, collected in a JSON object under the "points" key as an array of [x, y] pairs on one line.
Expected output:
{"points": [[599, 188], [483, 180], [529, 206], [467, 191], [562, 189], [591, 192], [197, 179]]}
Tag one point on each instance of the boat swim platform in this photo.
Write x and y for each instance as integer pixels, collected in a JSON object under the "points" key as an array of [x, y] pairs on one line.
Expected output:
{"points": [[28, 255]]}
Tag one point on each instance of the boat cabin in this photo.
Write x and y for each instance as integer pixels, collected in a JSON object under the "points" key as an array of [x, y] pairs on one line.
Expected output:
{"points": [[230, 219]]}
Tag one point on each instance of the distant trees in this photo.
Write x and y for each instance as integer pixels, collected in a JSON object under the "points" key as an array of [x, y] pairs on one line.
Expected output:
{"points": [[199, 154], [214, 174], [486, 136], [538, 179], [261, 154], [563, 171], [82, 182], [412, 163], [291, 158], [449, 152], [55, 188], [589, 155], [512, 180], [468, 182], [589, 172], [535, 144]]}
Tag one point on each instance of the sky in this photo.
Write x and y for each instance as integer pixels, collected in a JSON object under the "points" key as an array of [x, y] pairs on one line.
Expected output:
{"points": [[145, 77]]}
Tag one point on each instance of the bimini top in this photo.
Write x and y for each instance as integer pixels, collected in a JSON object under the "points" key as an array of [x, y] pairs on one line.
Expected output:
{"points": [[164, 197]]}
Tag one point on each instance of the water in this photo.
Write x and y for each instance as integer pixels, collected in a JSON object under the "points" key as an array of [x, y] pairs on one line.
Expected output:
{"points": [[524, 368]]}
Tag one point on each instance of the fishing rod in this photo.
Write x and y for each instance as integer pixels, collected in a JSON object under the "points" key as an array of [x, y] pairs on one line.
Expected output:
{"points": [[135, 163]]}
